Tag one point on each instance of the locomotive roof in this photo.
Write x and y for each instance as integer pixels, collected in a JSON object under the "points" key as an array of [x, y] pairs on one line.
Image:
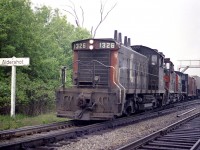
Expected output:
{"points": [[113, 40], [154, 50], [103, 39], [130, 49]]}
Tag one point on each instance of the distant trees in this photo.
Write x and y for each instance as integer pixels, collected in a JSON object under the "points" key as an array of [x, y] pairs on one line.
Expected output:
{"points": [[43, 35]]}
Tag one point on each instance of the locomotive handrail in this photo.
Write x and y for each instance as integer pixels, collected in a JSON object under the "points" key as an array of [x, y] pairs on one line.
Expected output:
{"points": [[118, 85], [120, 101], [114, 76], [66, 68], [121, 84]]}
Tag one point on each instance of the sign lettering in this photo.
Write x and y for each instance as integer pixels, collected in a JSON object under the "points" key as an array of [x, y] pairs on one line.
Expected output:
{"points": [[14, 61]]}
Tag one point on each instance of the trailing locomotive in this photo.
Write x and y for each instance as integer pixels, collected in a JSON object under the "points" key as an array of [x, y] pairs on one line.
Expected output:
{"points": [[112, 78]]}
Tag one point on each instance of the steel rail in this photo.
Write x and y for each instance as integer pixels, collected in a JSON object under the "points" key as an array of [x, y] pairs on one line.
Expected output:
{"points": [[196, 146], [143, 141], [186, 112], [29, 142], [28, 130]]}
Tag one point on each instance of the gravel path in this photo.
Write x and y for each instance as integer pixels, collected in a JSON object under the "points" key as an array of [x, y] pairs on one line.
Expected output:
{"points": [[112, 138]]}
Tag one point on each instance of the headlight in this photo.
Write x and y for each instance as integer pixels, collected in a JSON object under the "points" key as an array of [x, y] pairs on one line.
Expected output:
{"points": [[91, 41], [91, 47]]}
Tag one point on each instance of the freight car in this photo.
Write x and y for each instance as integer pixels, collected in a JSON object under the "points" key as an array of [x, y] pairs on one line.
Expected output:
{"points": [[197, 79], [112, 79], [183, 83], [191, 87]]}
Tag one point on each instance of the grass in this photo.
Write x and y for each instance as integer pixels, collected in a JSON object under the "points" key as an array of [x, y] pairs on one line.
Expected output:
{"points": [[7, 122]]}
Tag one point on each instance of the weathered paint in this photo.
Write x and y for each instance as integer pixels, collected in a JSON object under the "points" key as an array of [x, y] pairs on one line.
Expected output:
{"points": [[114, 71]]}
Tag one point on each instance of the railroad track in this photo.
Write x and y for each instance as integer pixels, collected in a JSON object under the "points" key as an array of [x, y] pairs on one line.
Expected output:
{"points": [[30, 130], [68, 134], [182, 135]]}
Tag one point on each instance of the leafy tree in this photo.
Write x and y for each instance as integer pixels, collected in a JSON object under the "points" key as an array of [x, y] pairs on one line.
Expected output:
{"points": [[43, 35]]}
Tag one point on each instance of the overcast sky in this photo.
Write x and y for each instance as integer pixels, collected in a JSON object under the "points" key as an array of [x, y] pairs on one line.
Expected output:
{"points": [[171, 26]]}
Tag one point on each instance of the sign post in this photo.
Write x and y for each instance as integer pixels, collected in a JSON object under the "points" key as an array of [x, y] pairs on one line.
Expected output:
{"points": [[14, 62], [13, 89]]}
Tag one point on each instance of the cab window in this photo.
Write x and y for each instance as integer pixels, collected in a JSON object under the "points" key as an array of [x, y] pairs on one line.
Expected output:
{"points": [[154, 60]]}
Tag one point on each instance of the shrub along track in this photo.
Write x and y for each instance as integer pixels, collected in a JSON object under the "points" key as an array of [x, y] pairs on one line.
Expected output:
{"points": [[65, 134]]}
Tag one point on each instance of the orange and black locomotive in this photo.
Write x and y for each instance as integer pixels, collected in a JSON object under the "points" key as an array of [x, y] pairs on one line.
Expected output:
{"points": [[111, 79]]}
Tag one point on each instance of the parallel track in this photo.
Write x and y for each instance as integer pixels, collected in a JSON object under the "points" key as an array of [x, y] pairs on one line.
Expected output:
{"points": [[30, 130], [46, 139], [182, 135], [71, 133]]}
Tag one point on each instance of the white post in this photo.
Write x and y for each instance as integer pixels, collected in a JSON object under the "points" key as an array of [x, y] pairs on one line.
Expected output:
{"points": [[14, 62], [13, 85]]}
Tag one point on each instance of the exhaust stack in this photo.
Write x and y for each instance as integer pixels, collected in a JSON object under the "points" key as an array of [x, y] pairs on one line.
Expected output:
{"points": [[115, 35], [120, 37], [129, 41], [125, 41]]}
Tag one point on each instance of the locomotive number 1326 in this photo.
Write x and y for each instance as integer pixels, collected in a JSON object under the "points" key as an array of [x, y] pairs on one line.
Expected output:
{"points": [[106, 45]]}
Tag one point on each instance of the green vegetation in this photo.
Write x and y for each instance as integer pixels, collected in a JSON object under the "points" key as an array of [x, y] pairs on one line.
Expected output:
{"points": [[44, 36], [6, 122]]}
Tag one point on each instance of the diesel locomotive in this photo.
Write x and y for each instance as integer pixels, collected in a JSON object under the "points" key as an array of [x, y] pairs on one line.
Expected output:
{"points": [[111, 79]]}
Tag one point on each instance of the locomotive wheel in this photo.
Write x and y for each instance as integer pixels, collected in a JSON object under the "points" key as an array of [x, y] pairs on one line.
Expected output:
{"points": [[132, 109], [128, 111]]}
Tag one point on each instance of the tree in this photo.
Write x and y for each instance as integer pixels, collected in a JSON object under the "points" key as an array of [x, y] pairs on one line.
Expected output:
{"points": [[43, 35], [103, 15]]}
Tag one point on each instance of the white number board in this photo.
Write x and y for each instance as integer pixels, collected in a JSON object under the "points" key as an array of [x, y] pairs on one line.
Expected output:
{"points": [[14, 61]]}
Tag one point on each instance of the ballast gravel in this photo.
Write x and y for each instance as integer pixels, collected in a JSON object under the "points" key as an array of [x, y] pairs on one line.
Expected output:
{"points": [[112, 138]]}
